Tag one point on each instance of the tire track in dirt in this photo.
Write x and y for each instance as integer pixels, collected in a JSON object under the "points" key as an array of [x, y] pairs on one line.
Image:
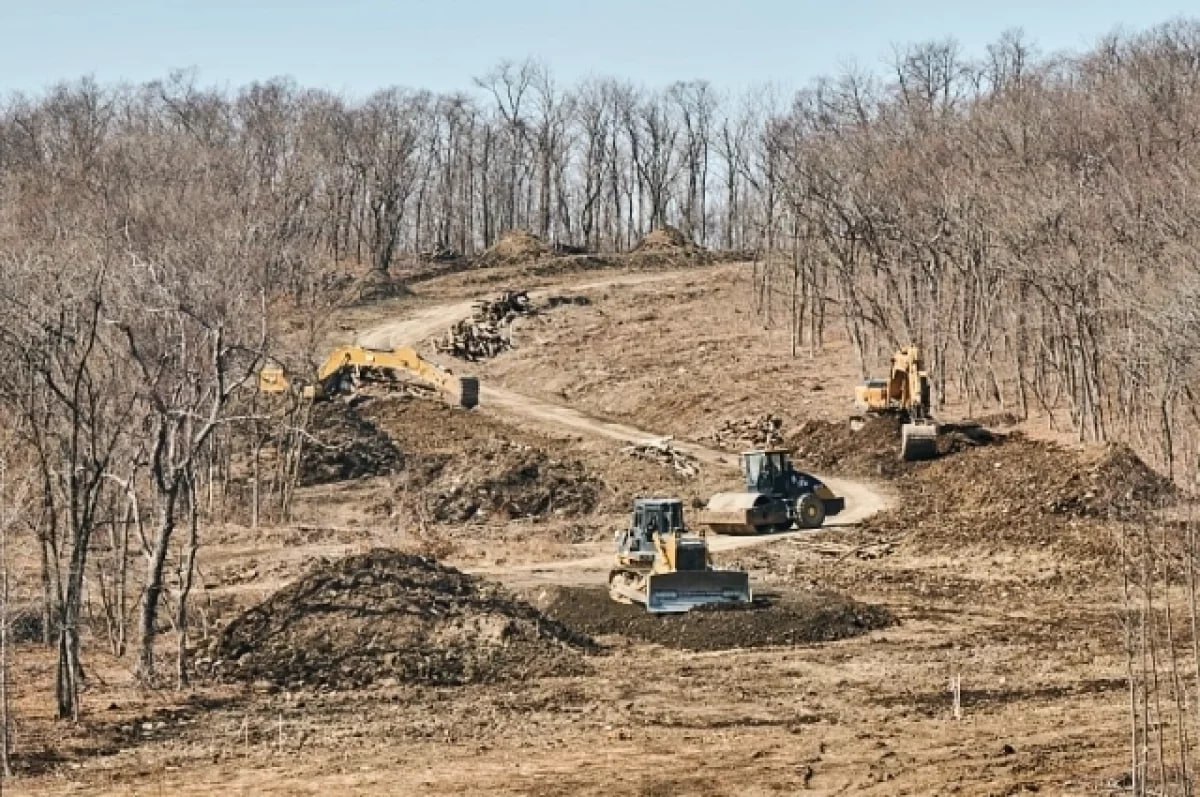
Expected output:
{"points": [[863, 499]]}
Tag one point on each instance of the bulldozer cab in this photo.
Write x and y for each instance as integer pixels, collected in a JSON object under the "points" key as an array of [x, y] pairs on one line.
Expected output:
{"points": [[657, 516], [663, 518]]}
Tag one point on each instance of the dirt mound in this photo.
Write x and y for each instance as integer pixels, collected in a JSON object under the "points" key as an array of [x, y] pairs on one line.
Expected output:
{"points": [[1019, 493], [874, 449], [469, 470], [514, 247], [1024, 476], [1117, 480], [829, 446], [665, 239], [387, 615], [792, 619], [345, 445], [506, 481]]}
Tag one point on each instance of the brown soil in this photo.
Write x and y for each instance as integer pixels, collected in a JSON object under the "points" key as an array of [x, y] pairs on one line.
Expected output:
{"points": [[506, 481], [345, 445], [665, 239], [387, 615], [515, 247], [795, 618], [874, 449], [468, 470], [1016, 493]]}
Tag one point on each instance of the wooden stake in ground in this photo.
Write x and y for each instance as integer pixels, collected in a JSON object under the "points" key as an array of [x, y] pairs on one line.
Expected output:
{"points": [[5, 736]]}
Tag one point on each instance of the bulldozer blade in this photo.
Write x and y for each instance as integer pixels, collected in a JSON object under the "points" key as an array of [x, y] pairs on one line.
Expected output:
{"points": [[684, 590], [918, 441]]}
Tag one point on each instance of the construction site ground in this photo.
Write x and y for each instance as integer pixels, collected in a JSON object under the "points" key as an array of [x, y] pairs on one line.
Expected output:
{"points": [[838, 682]]}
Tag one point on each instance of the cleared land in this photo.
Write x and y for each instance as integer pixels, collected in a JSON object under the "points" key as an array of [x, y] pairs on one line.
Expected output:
{"points": [[992, 565]]}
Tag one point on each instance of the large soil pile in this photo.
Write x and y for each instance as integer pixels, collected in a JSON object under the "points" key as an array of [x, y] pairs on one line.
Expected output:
{"points": [[798, 618], [665, 239], [387, 615], [1022, 476], [515, 247], [345, 445], [503, 480], [874, 449], [1020, 492], [667, 246], [466, 470]]}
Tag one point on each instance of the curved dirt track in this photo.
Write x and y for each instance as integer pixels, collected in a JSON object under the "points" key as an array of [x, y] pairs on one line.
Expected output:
{"points": [[862, 498]]}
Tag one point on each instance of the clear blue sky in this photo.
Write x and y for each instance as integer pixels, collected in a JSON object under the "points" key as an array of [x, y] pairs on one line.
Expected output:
{"points": [[358, 46]]}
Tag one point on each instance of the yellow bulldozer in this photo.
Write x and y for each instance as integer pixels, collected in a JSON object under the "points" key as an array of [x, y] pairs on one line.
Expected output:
{"points": [[905, 392], [349, 366], [663, 566]]}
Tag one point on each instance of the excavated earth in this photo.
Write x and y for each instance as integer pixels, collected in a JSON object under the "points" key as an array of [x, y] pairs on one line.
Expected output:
{"points": [[409, 437], [513, 248], [388, 615], [993, 490], [343, 445], [468, 474], [796, 618]]}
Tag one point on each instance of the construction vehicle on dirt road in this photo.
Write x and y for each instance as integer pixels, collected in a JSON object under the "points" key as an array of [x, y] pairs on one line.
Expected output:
{"points": [[777, 497], [349, 366], [663, 566], [905, 392]]}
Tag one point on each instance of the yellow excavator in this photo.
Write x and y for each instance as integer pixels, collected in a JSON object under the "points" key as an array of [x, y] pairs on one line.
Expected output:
{"points": [[349, 366], [661, 565], [905, 392]]}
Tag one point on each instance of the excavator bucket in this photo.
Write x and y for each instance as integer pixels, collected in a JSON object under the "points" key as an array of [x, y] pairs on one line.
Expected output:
{"points": [[918, 441], [466, 392], [684, 590]]}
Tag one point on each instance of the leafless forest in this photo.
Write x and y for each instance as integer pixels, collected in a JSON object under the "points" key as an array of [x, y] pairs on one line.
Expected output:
{"points": [[1030, 219]]}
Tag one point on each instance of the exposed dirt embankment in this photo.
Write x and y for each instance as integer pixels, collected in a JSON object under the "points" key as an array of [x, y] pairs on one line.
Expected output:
{"points": [[457, 470], [387, 615]]}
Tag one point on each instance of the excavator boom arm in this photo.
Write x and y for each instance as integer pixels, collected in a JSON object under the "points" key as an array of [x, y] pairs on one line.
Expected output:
{"points": [[393, 362]]}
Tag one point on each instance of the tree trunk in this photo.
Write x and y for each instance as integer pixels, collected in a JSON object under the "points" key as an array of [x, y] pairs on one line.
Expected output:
{"points": [[154, 586]]}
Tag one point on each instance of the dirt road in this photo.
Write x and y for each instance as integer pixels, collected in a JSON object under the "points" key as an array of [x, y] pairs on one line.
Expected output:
{"points": [[862, 499], [432, 321]]}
